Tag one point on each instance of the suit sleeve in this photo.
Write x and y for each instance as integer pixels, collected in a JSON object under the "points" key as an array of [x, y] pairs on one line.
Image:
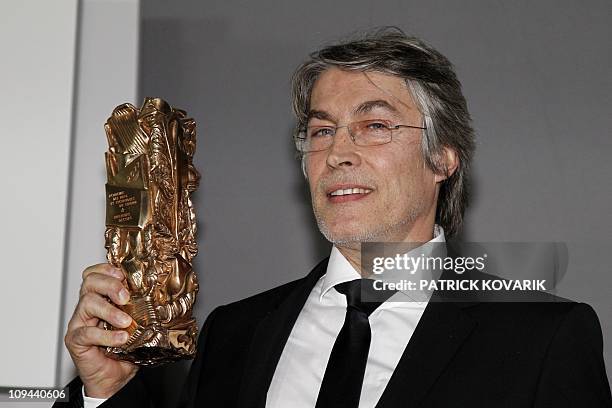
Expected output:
{"points": [[190, 389], [573, 373], [135, 393]]}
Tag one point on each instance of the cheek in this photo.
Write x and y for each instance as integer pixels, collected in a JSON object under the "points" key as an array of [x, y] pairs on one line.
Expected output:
{"points": [[407, 175], [312, 168]]}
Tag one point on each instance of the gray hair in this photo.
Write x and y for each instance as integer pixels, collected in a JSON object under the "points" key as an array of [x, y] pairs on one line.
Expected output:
{"points": [[437, 93]]}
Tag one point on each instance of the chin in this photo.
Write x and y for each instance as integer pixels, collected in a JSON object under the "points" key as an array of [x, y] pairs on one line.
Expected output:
{"points": [[347, 235]]}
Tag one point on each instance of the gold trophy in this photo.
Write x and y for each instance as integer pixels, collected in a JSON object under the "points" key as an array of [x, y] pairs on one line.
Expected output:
{"points": [[151, 227]]}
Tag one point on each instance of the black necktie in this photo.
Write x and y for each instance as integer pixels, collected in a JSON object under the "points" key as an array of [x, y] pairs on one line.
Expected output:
{"points": [[341, 386]]}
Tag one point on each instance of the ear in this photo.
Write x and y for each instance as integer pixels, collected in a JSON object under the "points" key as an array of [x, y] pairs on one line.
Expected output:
{"points": [[448, 162]]}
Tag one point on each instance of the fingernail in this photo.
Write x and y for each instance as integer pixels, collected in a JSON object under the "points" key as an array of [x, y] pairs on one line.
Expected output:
{"points": [[124, 296], [125, 319]]}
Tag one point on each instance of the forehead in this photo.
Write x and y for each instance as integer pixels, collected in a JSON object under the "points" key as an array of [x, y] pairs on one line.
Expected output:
{"points": [[337, 89]]}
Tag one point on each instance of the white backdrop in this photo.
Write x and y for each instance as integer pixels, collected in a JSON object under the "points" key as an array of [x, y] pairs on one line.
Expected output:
{"points": [[37, 42], [65, 65]]}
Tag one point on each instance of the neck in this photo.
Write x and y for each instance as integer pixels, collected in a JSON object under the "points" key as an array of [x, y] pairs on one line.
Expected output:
{"points": [[352, 251]]}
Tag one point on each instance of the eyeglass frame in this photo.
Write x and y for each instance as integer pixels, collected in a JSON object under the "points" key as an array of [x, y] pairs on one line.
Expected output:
{"points": [[297, 139]]}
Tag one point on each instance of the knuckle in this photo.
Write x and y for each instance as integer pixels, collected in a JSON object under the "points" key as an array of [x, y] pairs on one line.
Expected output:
{"points": [[88, 283], [84, 287], [87, 271], [79, 335], [92, 284], [101, 284], [87, 298], [92, 305], [79, 309], [97, 268]]}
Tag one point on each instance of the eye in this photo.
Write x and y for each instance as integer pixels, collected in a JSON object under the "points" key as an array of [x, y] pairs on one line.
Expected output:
{"points": [[376, 125], [320, 131]]}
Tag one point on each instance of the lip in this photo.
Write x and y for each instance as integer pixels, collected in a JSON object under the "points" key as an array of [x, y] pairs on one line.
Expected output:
{"points": [[336, 199], [345, 186]]}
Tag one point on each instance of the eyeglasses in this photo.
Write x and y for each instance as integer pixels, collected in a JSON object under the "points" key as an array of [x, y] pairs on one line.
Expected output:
{"points": [[363, 133]]}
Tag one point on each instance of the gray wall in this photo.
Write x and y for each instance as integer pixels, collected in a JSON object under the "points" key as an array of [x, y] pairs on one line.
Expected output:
{"points": [[537, 79]]}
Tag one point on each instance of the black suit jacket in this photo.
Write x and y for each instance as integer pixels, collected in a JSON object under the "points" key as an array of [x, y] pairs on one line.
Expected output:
{"points": [[462, 354]]}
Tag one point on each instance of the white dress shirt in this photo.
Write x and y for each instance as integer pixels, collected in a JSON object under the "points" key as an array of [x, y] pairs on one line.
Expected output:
{"points": [[90, 402], [299, 373]]}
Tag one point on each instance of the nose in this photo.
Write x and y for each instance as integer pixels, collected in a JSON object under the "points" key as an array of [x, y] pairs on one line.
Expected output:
{"points": [[343, 152]]}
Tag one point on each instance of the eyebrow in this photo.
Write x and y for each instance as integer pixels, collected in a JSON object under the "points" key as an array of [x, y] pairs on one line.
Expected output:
{"points": [[369, 106], [318, 114], [364, 107]]}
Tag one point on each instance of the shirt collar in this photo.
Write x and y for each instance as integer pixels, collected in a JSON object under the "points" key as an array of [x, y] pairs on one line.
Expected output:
{"points": [[340, 270]]}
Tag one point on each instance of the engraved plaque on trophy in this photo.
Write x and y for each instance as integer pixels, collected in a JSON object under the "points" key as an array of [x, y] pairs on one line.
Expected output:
{"points": [[151, 227]]}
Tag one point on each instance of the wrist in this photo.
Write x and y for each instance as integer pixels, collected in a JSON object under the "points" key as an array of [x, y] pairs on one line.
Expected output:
{"points": [[104, 389]]}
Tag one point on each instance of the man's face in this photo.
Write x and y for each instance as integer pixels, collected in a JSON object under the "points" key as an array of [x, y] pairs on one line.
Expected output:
{"points": [[396, 192]]}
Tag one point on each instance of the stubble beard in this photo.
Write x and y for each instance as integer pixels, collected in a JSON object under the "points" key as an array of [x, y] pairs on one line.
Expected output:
{"points": [[376, 233], [386, 231]]}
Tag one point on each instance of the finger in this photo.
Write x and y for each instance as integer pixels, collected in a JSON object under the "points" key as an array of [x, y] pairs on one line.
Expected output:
{"points": [[88, 336], [104, 269], [93, 306], [107, 286]]}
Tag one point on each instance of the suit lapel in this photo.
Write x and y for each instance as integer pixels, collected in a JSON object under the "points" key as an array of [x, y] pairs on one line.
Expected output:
{"points": [[439, 334], [442, 329], [270, 338]]}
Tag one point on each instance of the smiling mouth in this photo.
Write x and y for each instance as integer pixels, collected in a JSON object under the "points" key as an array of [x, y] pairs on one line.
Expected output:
{"points": [[344, 195], [348, 191]]}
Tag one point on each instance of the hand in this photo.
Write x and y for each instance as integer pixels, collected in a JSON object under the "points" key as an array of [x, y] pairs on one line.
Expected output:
{"points": [[102, 376]]}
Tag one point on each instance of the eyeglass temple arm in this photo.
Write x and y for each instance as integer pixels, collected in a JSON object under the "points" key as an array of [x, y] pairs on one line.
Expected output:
{"points": [[407, 126]]}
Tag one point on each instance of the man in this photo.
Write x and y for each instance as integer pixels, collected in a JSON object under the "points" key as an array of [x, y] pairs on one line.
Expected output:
{"points": [[386, 143]]}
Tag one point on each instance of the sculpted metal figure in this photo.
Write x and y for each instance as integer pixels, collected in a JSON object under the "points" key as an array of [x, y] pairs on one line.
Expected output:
{"points": [[151, 227]]}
